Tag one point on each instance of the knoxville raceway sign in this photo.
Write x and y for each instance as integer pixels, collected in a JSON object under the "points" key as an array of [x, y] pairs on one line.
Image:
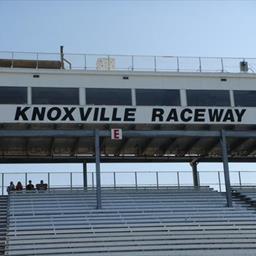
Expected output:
{"points": [[124, 114]]}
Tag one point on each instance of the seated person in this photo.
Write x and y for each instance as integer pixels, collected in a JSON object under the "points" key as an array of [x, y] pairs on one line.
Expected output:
{"points": [[11, 187], [19, 186], [30, 186], [41, 185]]}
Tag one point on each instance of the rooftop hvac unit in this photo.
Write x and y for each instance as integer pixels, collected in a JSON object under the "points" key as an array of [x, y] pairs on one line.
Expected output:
{"points": [[106, 64], [244, 66]]}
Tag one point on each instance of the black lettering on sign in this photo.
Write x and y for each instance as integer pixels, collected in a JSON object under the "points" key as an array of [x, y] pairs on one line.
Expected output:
{"points": [[215, 115], [102, 115], [54, 113], [157, 113], [229, 116], [129, 114], [115, 116], [199, 115], [186, 115], [21, 113], [173, 116], [38, 113], [240, 114], [68, 114], [84, 115], [96, 114]]}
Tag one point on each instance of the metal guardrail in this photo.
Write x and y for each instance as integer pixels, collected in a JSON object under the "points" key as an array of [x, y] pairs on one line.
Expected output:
{"points": [[72, 180], [96, 62]]}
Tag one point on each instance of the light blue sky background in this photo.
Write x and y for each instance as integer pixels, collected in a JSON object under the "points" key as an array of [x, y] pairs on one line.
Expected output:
{"points": [[178, 28]]}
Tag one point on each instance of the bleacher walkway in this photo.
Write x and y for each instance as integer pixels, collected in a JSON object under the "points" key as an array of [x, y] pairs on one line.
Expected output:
{"points": [[133, 222]]}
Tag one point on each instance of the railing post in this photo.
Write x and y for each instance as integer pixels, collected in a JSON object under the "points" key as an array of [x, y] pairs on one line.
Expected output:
{"points": [[108, 63], [12, 60], [37, 57], [222, 65], [71, 180], [114, 176], [240, 180], [92, 180], [26, 179], [85, 62], [136, 180], [2, 184], [48, 179], [200, 65], [157, 180], [219, 180], [178, 64], [155, 63], [132, 63], [178, 179]]}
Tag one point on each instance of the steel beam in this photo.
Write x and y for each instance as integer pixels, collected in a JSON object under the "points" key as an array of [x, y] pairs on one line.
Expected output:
{"points": [[194, 164], [97, 162], [226, 168]]}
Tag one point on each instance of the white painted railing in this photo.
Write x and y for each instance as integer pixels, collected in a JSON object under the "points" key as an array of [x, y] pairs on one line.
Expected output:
{"points": [[135, 179], [104, 62]]}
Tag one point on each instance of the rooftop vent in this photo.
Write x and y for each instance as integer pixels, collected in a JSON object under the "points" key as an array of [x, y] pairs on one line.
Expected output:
{"points": [[244, 66]]}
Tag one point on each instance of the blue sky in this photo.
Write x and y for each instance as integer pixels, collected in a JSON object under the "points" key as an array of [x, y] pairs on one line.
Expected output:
{"points": [[178, 28], [184, 28]]}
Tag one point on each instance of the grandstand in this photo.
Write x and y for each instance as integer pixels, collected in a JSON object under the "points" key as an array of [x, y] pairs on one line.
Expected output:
{"points": [[94, 109]]}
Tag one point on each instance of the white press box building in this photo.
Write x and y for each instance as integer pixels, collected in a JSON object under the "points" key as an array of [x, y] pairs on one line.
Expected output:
{"points": [[62, 108]]}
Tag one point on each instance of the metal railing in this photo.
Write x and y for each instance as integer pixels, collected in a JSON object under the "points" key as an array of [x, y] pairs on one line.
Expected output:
{"points": [[97, 62], [136, 179]]}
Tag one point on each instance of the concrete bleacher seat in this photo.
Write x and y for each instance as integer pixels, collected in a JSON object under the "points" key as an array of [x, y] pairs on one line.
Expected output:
{"points": [[145, 221], [246, 193]]}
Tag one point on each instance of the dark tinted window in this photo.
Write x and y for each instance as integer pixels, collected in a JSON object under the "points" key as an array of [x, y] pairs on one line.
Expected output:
{"points": [[13, 95], [152, 97], [245, 98], [208, 98], [59, 96], [100, 96]]}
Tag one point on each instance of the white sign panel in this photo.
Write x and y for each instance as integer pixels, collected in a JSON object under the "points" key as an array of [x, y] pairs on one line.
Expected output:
{"points": [[126, 114], [116, 134]]}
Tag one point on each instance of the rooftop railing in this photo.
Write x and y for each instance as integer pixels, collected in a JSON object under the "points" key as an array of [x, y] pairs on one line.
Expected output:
{"points": [[132, 179], [127, 63]]}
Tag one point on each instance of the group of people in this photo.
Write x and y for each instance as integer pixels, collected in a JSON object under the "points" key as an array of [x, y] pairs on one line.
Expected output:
{"points": [[29, 186]]}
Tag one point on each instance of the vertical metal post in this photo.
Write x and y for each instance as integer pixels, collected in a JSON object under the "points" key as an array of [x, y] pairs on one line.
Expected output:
{"points": [[108, 63], [85, 62], [71, 180], [48, 180], [240, 180], [178, 179], [178, 64], [155, 63], [12, 60], [2, 184], [195, 173], [200, 65], [26, 179], [226, 168], [219, 181], [92, 180], [132, 63], [157, 180], [114, 174], [136, 180], [37, 57], [85, 181], [97, 162], [222, 65]]}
